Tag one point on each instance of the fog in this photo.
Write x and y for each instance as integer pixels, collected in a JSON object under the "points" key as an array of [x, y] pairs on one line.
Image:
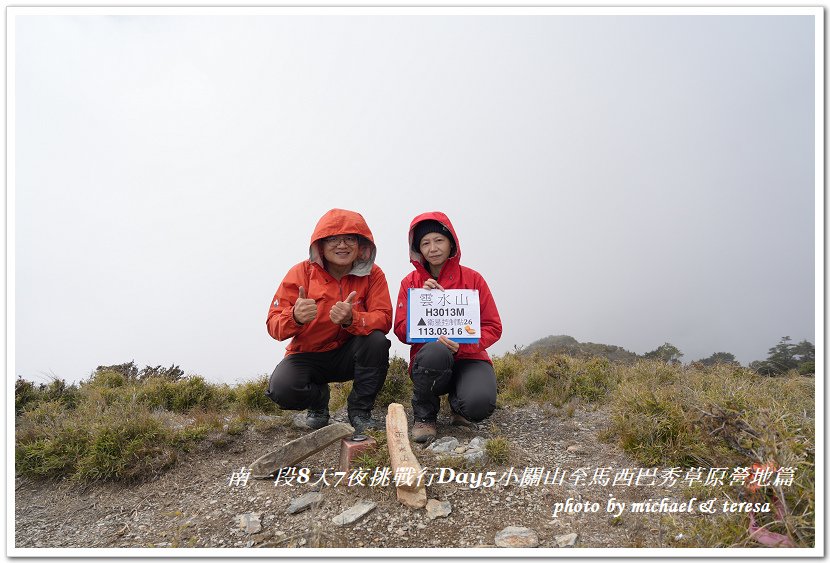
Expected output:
{"points": [[627, 180]]}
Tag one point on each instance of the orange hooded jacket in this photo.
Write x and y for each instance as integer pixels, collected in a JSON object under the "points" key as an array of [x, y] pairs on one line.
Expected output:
{"points": [[453, 276], [372, 308]]}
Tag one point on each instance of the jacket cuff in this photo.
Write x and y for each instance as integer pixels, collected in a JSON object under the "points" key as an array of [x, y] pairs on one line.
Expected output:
{"points": [[292, 322], [357, 323]]}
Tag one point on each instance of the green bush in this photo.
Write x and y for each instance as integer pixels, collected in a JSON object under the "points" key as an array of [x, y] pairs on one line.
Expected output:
{"points": [[498, 450], [593, 380], [536, 379], [123, 444], [722, 416], [24, 394], [251, 395], [398, 385], [107, 379], [189, 392]]}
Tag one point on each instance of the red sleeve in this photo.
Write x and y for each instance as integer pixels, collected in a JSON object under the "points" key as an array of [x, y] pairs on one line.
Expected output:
{"points": [[490, 319], [400, 311], [378, 313], [281, 324]]}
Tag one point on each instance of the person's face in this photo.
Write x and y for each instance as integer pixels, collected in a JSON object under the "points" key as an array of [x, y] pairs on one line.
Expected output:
{"points": [[435, 248], [340, 250]]}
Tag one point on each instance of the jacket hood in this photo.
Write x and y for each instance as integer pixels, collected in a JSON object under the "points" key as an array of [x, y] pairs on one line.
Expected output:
{"points": [[344, 222], [418, 258]]}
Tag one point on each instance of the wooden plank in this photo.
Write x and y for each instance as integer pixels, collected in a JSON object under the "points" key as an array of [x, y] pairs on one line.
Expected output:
{"points": [[299, 449], [400, 453]]}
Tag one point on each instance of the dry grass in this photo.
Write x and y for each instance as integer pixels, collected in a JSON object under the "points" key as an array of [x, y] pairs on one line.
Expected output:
{"points": [[662, 415]]}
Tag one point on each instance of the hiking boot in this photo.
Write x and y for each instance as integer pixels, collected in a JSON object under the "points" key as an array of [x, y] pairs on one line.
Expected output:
{"points": [[423, 432], [318, 418], [362, 421], [458, 420]]}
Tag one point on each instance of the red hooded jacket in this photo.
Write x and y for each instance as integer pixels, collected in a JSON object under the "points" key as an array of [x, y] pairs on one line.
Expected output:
{"points": [[372, 308], [453, 276]]}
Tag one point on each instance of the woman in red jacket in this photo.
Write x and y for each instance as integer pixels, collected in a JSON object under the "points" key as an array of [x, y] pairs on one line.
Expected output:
{"points": [[437, 368]]}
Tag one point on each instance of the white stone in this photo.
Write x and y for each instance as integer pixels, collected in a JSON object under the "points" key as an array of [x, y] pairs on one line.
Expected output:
{"points": [[304, 502], [445, 445], [477, 443], [438, 509], [298, 421], [517, 536], [474, 456], [568, 540], [354, 513], [249, 523]]}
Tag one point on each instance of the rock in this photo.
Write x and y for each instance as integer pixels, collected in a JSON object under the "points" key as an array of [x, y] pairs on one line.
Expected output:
{"points": [[412, 499], [304, 502], [517, 536], [299, 422], [299, 449], [477, 443], [437, 509], [568, 540], [445, 445], [249, 523], [475, 456], [354, 513], [460, 449]]}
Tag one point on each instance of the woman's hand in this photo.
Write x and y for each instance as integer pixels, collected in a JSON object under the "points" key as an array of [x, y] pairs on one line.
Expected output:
{"points": [[432, 284], [453, 346]]}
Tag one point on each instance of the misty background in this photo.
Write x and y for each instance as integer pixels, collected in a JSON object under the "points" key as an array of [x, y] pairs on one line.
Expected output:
{"points": [[626, 180]]}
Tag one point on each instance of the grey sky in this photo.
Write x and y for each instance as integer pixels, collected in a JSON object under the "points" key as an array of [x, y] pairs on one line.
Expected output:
{"points": [[625, 180]]}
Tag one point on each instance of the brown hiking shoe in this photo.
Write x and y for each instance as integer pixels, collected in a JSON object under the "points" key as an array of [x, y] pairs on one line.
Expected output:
{"points": [[458, 420], [423, 432]]}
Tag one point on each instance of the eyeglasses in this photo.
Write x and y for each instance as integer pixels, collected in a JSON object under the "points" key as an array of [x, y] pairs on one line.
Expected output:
{"points": [[350, 240]]}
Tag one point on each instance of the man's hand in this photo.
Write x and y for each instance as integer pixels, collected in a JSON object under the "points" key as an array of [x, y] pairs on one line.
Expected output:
{"points": [[453, 346], [341, 313], [305, 310], [432, 284]]}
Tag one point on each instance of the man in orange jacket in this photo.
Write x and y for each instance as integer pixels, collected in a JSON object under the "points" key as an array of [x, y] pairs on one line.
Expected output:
{"points": [[335, 307]]}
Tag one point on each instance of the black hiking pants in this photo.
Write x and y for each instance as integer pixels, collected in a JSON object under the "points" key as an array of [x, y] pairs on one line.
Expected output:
{"points": [[300, 381], [471, 384]]}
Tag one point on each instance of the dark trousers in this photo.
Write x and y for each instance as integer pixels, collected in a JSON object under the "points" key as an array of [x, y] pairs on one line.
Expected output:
{"points": [[471, 384], [300, 381]]}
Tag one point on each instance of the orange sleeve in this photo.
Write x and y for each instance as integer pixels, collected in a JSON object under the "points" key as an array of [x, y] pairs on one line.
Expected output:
{"points": [[378, 313], [281, 324]]}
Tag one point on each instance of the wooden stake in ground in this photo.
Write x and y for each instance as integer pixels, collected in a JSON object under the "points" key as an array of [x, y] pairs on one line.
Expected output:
{"points": [[299, 449], [412, 492]]}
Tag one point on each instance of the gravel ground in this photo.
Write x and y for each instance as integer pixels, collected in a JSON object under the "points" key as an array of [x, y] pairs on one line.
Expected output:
{"points": [[193, 505]]}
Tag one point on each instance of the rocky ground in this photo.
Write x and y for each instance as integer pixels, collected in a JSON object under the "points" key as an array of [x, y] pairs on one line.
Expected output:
{"points": [[193, 504]]}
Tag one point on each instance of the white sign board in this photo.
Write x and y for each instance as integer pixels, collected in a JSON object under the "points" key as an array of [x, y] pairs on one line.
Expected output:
{"points": [[454, 313]]}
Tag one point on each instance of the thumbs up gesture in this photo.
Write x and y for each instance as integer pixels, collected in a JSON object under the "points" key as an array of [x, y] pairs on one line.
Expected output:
{"points": [[305, 310], [341, 313]]}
